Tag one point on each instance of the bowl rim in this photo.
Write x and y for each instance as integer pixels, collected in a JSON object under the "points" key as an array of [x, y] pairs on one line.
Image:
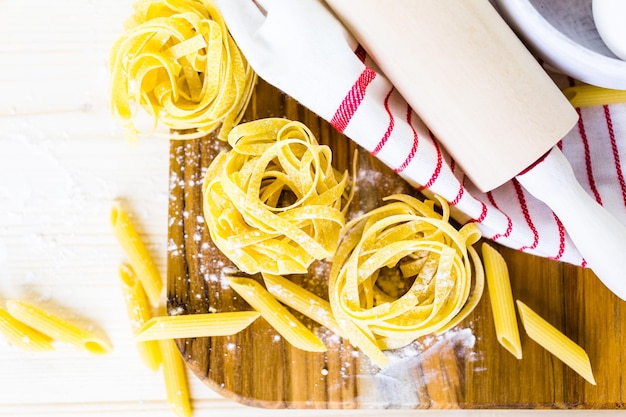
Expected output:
{"points": [[558, 50]]}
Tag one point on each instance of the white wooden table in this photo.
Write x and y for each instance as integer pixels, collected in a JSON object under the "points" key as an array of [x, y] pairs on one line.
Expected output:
{"points": [[63, 161]]}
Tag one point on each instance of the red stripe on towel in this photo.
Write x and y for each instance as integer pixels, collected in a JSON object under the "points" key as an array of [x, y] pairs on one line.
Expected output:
{"points": [[588, 166], [390, 126], [561, 229], [411, 154], [616, 155], [529, 221], [437, 171], [509, 226], [352, 101]]}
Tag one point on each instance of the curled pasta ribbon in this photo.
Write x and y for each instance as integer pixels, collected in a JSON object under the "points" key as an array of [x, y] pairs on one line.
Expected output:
{"points": [[403, 271], [178, 62], [274, 203]]}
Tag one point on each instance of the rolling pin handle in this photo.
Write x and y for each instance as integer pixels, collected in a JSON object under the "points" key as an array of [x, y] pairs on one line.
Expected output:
{"points": [[597, 234]]}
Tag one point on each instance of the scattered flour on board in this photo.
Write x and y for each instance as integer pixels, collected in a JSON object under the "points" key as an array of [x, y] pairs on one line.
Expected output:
{"points": [[414, 367]]}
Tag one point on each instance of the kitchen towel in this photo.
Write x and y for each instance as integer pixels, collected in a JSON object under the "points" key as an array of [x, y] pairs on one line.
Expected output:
{"points": [[300, 48]]}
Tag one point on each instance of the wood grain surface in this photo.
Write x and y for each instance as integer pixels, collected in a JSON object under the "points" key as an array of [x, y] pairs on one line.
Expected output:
{"points": [[463, 368]]}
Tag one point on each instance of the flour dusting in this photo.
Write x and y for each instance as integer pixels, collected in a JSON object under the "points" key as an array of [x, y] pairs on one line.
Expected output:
{"points": [[426, 370]]}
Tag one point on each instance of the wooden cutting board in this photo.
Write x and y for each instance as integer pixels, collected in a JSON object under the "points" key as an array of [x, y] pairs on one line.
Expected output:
{"points": [[464, 368]]}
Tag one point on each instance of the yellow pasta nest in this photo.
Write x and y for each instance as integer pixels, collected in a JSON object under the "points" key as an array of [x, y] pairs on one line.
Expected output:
{"points": [[274, 203], [403, 271], [178, 62]]}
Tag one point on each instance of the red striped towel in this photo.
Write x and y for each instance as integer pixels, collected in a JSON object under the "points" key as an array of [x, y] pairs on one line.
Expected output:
{"points": [[330, 75], [596, 148]]}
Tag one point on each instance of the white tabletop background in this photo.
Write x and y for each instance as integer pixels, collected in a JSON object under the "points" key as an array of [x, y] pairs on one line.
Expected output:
{"points": [[63, 161]]}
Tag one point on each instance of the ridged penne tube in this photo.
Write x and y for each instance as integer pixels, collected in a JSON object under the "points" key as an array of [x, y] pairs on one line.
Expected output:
{"points": [[555, 342], [501, 297], [139, 312], [196, 325], [58, 328], [22, 336], [590, 95], [301, 300], [276, 314], [175, 378], [138, 255]]}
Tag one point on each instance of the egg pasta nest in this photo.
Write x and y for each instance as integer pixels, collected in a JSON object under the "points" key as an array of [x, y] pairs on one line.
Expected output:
{"points": [[177, 61], [274, 203], [403, 271]]}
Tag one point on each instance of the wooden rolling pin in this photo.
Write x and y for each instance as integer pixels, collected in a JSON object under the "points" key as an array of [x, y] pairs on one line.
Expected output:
{"points": [[491, 105]]}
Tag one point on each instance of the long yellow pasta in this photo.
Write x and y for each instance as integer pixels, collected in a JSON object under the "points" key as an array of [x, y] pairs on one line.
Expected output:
{"points": [[501, 298], [276, 314], [196, 325], [274, 203], [555, 342], [22, 336], [590, 95], [58, 328], [137, 253], [404, 243], [139, 312], [175, 378], [319, 310], [178, 62], [307, 303]]}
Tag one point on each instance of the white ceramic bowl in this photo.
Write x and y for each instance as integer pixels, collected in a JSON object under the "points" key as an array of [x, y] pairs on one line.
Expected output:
{"points": [[564, 35]]}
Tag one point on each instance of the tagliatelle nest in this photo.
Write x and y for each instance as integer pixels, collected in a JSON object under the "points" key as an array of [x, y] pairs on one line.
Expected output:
{"points": [[403, 271], [274, 203], [178, 62]]}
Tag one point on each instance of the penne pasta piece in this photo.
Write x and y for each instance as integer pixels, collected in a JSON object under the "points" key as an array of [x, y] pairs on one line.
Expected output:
{"points": [[555, 342], [22, 336], [501, 299], [590, 95], [301, 300], [175, 378], [57, 328], [196, 325], [139, 312], [138, 255], [276, 314]]}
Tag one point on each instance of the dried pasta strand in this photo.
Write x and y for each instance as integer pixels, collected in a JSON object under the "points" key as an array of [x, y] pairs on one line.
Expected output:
{"points": [[437, 297], [303, 301], [138, 255], [196, 325], [319, 310], [175, 378], [353, 333], [501, 297], [555, 342], [139, 312], [58, 328], [178, 62], [479, 279], [274, 203], [276, 314], [22, 336]]}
